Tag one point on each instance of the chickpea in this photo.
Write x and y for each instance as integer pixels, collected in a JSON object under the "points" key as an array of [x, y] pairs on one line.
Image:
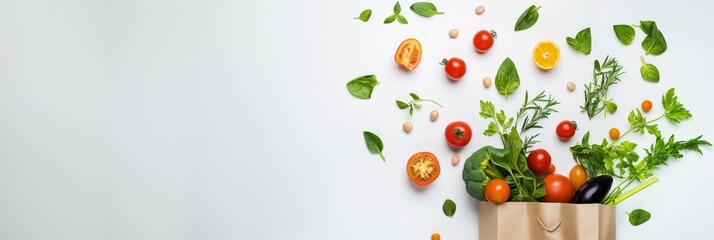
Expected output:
{"points": [[407, 126], [433, 115], [455, 159], [570, 86], [480, 9], [487, 82], [453, 33]]}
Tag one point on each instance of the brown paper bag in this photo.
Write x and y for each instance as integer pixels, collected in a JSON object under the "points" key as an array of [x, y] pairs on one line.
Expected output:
{"points": [[545, 221]]}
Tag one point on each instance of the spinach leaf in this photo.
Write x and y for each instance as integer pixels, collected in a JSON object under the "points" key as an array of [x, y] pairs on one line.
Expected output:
{"points": [[364, 16], [425, 9], [362, 86], [374, 144], [624, 33], [646, 26], [449, 208], [649, 72], [654, 43], [582, 41], [507, 80], [638, 217], [527, 19]]}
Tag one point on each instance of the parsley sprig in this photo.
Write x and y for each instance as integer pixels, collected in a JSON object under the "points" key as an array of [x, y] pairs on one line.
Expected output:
{"points": [[604, 76]]}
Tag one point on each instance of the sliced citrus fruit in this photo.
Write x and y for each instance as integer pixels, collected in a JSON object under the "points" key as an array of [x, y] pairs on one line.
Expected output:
{"points": [[546, 55]]}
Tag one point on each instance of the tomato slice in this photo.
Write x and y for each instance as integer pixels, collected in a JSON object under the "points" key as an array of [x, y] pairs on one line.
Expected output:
{"points": [[423, 168], [408, 54]]}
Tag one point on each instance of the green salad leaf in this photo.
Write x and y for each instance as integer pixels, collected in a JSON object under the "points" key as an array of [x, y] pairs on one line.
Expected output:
{"points": [[362, 86], [507, 79], [624, 33], [654, 43], [638, 217], [424, 9], [582, 41], [374, 143], [449, 207], [649, 72], [365, 15], [527, 19]]}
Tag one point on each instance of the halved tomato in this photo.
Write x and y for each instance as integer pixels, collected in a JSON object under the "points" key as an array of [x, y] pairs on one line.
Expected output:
{"points": [[408, 54], [423, 168]]}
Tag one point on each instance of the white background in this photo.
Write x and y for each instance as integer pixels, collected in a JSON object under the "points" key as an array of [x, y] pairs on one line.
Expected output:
{"points": [[166, 119]]}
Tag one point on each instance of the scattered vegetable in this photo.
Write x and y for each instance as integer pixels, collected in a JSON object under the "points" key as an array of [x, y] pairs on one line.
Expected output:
{"points": [[570, 86], [539, 161], [396, 15], [497, 191], [453, 33], [654, 43], [480, 9], [487, 82], [604, 76], [594, 190], [374, 143], [483, 40], [614, 133], [424, 9], [566, 129], [649, 72], [414, 103], [455, 159], [455, 68], [408, 54], [449, 207], [578, 176], [527, 19], [582, 42], [458, 134], [646, 105], [365, 15], [423, 168], [433, 115], [558, 188], [507, 79], [624, 33], [638, 217], [407, 127], [546, 55], [362, 86]]}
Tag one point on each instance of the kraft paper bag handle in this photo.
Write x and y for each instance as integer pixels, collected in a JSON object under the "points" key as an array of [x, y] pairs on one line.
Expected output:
{"points": [[546, 228]]}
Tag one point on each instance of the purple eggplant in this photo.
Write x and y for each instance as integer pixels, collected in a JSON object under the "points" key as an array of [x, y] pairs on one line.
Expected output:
{"points": [[594, 190]]}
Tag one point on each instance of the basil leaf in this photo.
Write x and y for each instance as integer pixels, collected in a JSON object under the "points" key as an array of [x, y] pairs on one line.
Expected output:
{"points": [[362, 86], [402, 105], [449, 207], [654, 43], [365, 15], [401, 19], [527, 19], [624, 33], [507, 80], [638, 217], [646, 26], [374, 144], [414, 96], [397, 8], [582, 41], [390, 19], [649, 72], [424, 9]]}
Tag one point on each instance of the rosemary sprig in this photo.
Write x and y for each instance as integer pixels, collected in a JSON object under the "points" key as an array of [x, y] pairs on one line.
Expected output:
{"points": [[540, 107], [604, 76]]}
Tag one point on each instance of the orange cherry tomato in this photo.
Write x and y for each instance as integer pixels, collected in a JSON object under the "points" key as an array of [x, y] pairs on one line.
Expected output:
{"points": [[435, 236], [551, 169], [614, 133], [408, 54], [578, 176], [497, 191], [423, 168], [646, 105]]}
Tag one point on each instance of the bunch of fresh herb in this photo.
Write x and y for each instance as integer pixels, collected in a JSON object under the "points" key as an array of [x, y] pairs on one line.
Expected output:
{"points": [[414, 103], [396, 15], [604, 76]]}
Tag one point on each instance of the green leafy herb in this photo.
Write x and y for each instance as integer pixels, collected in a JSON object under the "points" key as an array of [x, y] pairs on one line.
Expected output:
{"points": [[604, 76], [374, 144], [582, 41], [425, 9], [649, 72], [362, 86], [624, 33], [365, 15], [449, 208], [414, 103], [654, 43], [507, 80], [638, 217], [396, 15], [527, 19]]}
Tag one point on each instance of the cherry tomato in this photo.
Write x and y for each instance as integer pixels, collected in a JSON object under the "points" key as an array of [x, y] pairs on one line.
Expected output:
{"points": [[578, 176], [646, 105], [435, 236], [539, 161], [458, 134], [408, 54], [455, 68], [614, 133], [558, 188], [551, 169], [483, 40], [497, 191], [566, 129], [423, 168]]}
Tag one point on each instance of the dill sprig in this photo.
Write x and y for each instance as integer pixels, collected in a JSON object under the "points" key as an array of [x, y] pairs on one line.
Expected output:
{"points": [[604, 76]]}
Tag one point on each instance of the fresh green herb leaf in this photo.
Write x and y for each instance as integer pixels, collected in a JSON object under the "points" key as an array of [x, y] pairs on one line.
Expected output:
{"points": [[611, 107], [674, 110], [449, 207], [540, 106], [646, 26], [414, 96], [582, 41], [507, 79], [414, 103], [401, 19], [654, 43], [402, 105], [374, 143], [638, 217], [624, 33], [397, 8], [424, 9], [365, 15], [604, 76], [527, 19], [390, 19], [649, 72], [362, 86]]}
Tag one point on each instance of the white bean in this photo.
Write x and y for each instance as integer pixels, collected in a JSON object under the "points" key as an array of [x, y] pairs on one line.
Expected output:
{"points": [[407, 126], [480, 9], [434, 115], [571, 86], [453, 33], [487, 82]]}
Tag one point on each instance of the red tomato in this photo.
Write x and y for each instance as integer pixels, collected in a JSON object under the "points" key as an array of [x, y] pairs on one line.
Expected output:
{"points": [[566, 129], [558, 188], [578, 176], [497, 191], [455, 68], [423, 168], [483, 40], [458, 134], [539, 161]]}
